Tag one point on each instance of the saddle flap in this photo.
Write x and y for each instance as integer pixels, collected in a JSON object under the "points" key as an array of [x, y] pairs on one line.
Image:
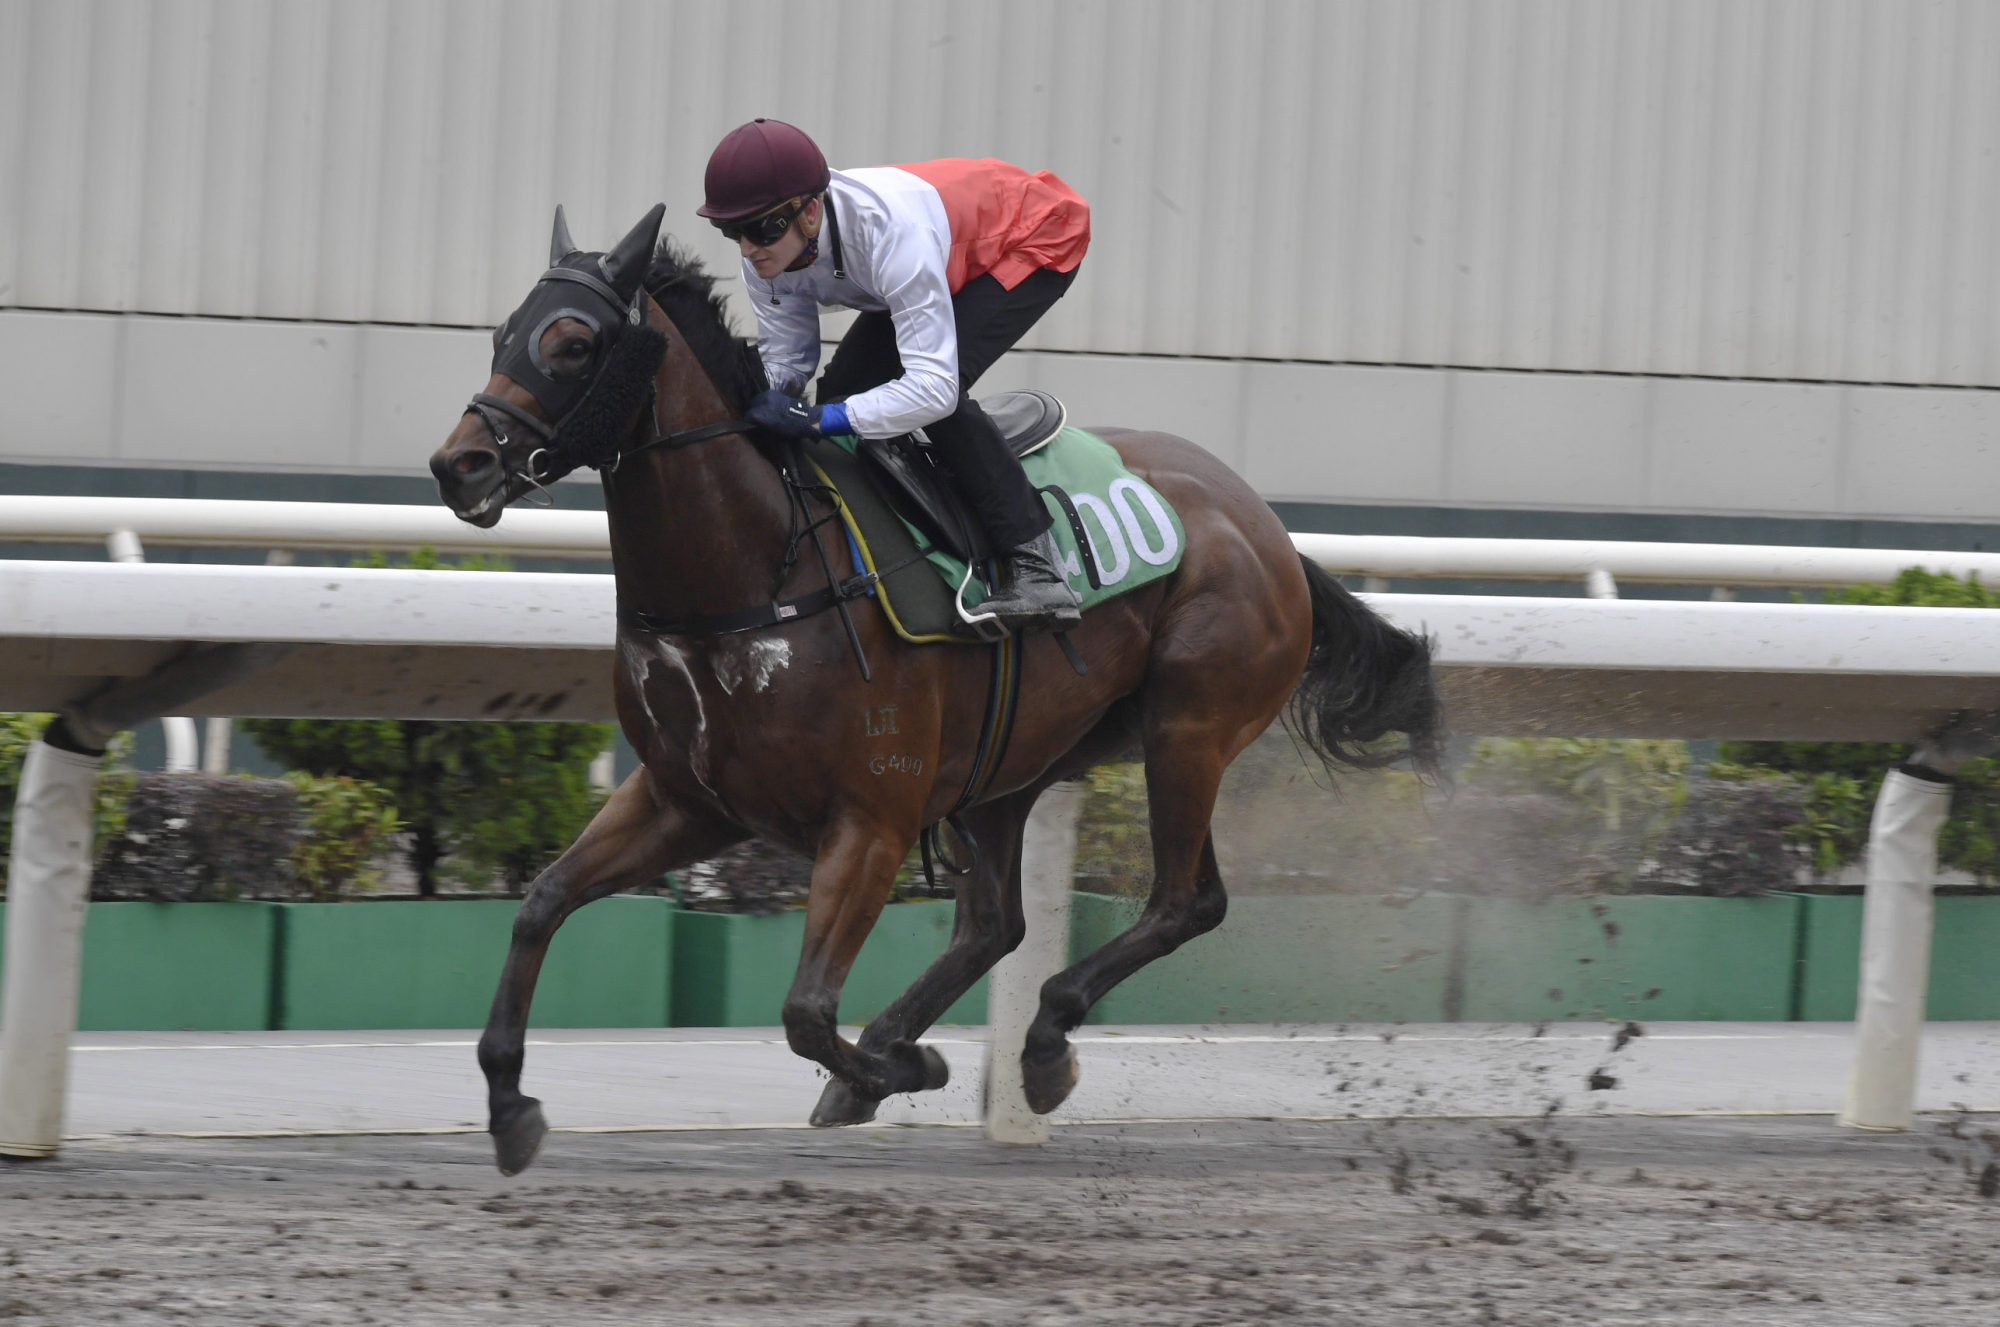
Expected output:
{"points": [[910, 480], [1028, 420]]}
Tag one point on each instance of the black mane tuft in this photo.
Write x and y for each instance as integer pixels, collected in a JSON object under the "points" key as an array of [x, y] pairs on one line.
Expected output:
{"points": [[686, 290]]}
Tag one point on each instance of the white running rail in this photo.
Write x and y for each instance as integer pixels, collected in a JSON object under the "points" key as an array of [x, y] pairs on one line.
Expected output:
{"points": [[540, 641], [527, 532]]}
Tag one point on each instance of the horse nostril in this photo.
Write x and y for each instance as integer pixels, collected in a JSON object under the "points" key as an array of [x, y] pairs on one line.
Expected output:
{"points": [[469, 463]]}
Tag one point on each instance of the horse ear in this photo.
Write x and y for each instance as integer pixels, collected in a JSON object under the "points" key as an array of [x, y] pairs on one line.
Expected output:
{"points": [[561, 245], [625, 266]]}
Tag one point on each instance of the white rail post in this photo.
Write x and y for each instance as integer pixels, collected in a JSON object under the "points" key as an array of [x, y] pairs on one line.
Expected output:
{"points": [[1014, 994], [1896, 924], [215, 743], [183, 745], [48, 895]]}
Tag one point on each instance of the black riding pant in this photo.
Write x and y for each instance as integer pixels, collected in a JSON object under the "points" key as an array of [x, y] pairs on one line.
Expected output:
{"points": [[990, 320]]}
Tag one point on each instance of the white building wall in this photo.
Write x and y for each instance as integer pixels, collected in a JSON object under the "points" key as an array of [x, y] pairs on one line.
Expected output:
{"points": [[140, 390], [1315, 222], [1798, 189]]}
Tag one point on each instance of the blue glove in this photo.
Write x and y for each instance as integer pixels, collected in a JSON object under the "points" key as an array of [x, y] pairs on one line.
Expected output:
{"points": [[833, 419], [783, 414]]}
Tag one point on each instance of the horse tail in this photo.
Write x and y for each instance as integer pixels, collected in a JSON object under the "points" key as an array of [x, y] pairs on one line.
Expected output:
{"points": [[1364, 678]]}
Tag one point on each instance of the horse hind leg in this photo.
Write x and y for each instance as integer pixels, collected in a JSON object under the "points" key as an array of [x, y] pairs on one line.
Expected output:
{"points": [[632, 839], [1187, 900], [986, 925]]}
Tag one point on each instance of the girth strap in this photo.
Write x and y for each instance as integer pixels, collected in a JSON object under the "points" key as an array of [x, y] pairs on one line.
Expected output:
{"points": [[1002, 703], [750, 619]]}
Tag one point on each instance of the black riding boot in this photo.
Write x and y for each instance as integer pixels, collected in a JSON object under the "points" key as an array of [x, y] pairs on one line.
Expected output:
{"points": [[1034, 596]]}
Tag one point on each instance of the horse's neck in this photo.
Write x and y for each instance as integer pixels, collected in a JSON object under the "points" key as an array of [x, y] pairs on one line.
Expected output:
{"points": [[698, 529]]}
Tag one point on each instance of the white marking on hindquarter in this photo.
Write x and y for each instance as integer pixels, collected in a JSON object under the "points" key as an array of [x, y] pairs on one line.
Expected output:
{"points": [[632, 652]]}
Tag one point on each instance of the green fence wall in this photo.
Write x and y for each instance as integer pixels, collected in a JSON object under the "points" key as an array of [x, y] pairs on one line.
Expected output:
{"points": [[1965, 959], [640, 962], [434, 963], [164, 967], [1282, 960], [1449, 959], [732, 970], [1636, 957]]}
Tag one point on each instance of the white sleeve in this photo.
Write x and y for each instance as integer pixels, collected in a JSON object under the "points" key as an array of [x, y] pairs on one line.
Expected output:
{"points": [[787, 334], [909, 276]]}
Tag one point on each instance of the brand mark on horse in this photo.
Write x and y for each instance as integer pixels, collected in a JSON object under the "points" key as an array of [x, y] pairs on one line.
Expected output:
{"points": [[901, 764], [877, 727]]}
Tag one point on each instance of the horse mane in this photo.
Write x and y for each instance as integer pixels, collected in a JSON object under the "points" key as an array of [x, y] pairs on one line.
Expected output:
{"points": [[686, 290]]}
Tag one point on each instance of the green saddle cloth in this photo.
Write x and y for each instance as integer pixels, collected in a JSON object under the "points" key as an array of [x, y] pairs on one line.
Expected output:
{"points": [[1134, 533]]}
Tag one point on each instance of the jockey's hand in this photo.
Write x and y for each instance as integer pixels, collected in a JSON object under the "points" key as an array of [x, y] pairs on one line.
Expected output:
{"points": [[784, 414]]}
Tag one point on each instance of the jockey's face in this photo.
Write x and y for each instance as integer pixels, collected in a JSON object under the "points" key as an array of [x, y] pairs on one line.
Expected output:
{"points": [[767, 260]]}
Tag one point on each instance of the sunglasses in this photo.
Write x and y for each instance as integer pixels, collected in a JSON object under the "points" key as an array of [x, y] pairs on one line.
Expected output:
{"points": [[763, 230]]}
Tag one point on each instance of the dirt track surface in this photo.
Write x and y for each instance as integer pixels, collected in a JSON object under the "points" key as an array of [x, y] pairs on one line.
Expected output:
{"points": [[1626, 1221]]}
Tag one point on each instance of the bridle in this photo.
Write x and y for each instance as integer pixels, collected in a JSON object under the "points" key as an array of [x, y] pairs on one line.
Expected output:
{"points": [[628, 352], [531, 472]]}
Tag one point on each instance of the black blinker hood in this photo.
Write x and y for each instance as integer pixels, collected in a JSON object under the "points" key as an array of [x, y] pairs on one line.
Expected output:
{"points": [[605, 293]]}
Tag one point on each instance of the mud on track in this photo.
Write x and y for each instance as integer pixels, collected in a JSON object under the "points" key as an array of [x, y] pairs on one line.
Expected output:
{"points": [[1607, 1221]]}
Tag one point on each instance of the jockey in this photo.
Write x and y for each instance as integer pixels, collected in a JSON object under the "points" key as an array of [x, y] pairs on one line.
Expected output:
{"points": [[950, 263]]}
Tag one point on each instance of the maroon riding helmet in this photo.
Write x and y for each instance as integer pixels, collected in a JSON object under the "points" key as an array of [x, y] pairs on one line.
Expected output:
{"points": [[758, 166]]}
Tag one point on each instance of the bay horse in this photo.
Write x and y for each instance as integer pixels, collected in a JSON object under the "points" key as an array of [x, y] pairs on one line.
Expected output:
{"points": [[748, 721]]}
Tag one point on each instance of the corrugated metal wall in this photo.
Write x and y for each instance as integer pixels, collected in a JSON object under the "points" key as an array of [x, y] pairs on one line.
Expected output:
{"points": [[1746, 188]]}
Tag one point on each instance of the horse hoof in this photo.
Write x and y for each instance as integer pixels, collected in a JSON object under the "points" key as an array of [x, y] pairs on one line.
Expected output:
{"points": [[1048, 1083], [841, 1105], [517, 1139], [936, 1072]]}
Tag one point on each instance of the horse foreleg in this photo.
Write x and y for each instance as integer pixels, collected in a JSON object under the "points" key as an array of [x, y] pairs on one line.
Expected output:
{"points": [[632, 839], [1187, 899], [852, 874], [986, 926]]}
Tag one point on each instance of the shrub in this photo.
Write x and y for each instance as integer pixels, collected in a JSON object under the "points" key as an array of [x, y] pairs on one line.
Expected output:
{"points": [[347, 823], [503, 798], [1737, 835], [1114, 844], [201, 837], [114, 781], [755, 877], [1622, 788], [1534, 818]]}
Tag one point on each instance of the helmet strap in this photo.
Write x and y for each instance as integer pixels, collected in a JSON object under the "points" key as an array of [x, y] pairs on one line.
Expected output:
{"points": [[810, 255]]}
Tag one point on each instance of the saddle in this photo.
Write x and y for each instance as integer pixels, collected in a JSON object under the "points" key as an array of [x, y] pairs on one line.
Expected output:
{"points": [[913, 481]]}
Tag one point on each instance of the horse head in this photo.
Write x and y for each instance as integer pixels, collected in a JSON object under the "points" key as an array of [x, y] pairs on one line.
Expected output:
{"points": [[572, 368]]}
